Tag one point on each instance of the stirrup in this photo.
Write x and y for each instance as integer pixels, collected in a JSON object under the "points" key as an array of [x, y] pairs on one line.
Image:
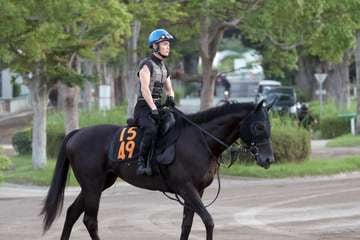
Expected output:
{"points": [[144, 171], [144, 168]]}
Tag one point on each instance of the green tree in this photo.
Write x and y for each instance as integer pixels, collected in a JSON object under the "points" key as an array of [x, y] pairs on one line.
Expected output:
{"points": [[210, 19], [40, 39], [320, 31], [96, 31], [148, 15], [357, 66]]}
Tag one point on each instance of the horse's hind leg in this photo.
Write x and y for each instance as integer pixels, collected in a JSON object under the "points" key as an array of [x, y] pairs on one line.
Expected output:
{"points": [[72, 215], [188, 216], [92, 200]]}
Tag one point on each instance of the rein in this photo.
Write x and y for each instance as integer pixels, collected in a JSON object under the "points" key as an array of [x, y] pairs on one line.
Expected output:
{"points": [[253, 150], [200, 128], [177, 198]]}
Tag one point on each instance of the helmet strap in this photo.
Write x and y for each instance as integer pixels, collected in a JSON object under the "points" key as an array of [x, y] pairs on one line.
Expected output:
{"points": [[157, 51]]}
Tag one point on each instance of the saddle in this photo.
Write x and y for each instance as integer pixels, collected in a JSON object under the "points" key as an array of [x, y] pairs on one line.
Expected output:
{"points": [[125, 144]]}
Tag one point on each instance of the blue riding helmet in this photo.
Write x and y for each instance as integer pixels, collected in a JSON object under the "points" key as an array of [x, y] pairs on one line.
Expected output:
{"points": [[159, 35]]}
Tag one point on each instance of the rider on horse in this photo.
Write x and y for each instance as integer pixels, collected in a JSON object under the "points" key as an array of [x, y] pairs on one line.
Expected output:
{"points": [[153, 76]]}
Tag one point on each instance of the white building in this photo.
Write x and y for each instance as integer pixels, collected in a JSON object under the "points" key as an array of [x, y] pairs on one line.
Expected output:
{"points": [[8, 102], [249, 66]]}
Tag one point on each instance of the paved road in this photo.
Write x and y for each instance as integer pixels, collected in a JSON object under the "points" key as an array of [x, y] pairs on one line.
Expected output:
{"points": [[289, 209]]}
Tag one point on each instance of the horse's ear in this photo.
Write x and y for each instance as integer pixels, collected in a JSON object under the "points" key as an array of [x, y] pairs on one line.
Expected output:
{"points": [[273, 101], [259, 106]]}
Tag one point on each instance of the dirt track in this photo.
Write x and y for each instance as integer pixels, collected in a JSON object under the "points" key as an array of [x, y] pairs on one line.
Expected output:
{"points": [[309, 208], [321, 208]]}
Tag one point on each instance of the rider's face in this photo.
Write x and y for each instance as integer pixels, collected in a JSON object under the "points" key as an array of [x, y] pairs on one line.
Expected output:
{"points": [[164, 48]]}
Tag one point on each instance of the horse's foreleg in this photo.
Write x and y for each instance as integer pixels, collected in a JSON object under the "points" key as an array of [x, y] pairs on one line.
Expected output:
{"points": [[92, 200], [72, 215], [188, 216], [193, 198]]}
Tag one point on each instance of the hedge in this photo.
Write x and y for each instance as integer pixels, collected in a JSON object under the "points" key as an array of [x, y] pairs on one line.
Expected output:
{"points": [[334, 126], [55, 128], [290, 143], [22, 141], [5, 162], [330, 125]]}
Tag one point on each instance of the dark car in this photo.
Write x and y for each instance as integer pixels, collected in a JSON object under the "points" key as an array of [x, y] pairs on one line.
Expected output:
{"points": [[286, 99], [263, 88]]}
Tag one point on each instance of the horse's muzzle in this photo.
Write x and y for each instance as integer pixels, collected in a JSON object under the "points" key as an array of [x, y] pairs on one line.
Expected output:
{"points": [[265, 163]]}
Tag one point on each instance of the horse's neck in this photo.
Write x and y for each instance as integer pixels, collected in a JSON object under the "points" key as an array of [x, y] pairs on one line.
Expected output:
{"points": [[225, 129]]}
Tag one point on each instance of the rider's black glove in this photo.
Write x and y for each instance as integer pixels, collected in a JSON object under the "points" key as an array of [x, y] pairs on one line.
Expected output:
{"points": [[170, 102], [155, 115]]}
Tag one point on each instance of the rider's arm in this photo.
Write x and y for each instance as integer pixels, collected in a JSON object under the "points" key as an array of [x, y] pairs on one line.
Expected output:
{"points": [[168, 87], [144, 75]]}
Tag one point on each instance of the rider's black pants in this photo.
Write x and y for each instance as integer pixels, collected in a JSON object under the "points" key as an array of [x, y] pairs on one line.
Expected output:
{"points": [[142, 115]]}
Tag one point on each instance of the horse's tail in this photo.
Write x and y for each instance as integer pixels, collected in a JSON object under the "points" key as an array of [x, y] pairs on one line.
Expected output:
{"points": [[54, 199]]}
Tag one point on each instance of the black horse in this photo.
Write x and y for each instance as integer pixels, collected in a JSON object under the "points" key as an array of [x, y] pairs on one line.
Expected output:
{"points": [[195, 164]]}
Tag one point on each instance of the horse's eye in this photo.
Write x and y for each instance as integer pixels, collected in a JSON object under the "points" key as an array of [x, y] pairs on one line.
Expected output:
{"points": [[259, 127]]}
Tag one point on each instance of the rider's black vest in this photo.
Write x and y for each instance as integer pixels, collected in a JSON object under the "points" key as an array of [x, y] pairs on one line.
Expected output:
{"points": [[158, 77]]}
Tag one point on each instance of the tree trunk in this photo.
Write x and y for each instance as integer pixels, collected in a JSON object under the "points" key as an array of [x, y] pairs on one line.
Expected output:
{"points": [[110, 81], [208, 84], [337, 82], [131, 67], [305, 79], [39, 100], [357, 65], [60, 100], [88, 88], [120, 85], [191, 62], [100, 77], [209, 42], [70, 97]]}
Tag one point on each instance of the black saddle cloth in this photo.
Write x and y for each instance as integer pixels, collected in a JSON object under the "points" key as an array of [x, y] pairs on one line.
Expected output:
{"points": [[125, 144]]}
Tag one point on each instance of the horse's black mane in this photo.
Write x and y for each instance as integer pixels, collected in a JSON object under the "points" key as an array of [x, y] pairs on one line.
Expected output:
{"points": [[227, 108]]}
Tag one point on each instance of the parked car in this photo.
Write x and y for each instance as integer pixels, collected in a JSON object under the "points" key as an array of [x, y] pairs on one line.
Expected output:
{"points": [[286, 100], [263, 87]]}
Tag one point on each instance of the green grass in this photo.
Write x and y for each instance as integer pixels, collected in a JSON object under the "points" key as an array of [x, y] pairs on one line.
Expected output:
{"points": [[307, 168], [345, 141], [330, 108], [116, 115], [22, 172]]}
